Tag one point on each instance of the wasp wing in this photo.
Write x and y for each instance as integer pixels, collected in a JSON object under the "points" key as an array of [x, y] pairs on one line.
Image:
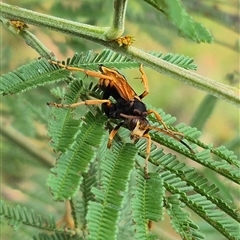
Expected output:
{"points": [[118, 84]]}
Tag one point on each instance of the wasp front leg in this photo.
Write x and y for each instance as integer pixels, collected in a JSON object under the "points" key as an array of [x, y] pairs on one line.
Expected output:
{"points": [[74, 105], [159, 118], [113, 133]]}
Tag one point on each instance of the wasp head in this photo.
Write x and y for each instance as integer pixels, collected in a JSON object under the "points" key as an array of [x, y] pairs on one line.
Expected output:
{"points": [[138, 127]]}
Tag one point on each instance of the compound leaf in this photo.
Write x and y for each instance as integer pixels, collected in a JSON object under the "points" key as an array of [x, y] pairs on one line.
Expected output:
{"points": [[104, 212], [65, 177], [178, 16]]}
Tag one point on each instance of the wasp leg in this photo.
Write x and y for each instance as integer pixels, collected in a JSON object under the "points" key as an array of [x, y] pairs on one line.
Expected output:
{"points": [[87, 102], [87, 72], [159, 118], [113, 133], [145, 82], [148, 148], [67, 220]]}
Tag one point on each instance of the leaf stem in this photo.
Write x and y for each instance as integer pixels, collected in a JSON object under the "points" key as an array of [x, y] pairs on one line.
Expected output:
{"points": [[117, 28], [26, 144], [30, 40], [54, 23], [191, 78]]}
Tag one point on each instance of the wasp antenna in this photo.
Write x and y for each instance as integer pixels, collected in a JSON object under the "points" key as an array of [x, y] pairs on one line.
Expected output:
{"points": [[190, 149]]}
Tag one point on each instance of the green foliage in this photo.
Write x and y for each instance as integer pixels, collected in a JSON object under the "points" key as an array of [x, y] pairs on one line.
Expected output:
{"points": [[109, 196], [103, 213], [31, 75], [181, 220], [40, 72], [77, 142], [146, 194], [65, 177], [21, 215], [179, 17]]}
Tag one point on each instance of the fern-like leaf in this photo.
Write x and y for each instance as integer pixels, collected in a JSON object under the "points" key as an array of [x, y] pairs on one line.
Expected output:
{"points": [[147, 193], [56, 236], [108, 58], [17, 215], [180, 219], [227, 164], [179, 17], [179, 179], [65, 178], [112, 59], [63, 128], [41, 72], [177, 59], [29, 76], [104, 212]]}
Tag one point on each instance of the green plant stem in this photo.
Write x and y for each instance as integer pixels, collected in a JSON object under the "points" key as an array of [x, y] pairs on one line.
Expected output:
{"points": [[191, 78], [30, 40], [98, 35], [34, 42], [38, 19], [117, 28], [20, 140]]}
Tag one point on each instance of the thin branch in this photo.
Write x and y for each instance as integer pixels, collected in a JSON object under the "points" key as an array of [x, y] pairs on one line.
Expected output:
{"points": [[20, 140], [59, 24], [98, 35], [117, 28], [30, 40], [210, 86]]}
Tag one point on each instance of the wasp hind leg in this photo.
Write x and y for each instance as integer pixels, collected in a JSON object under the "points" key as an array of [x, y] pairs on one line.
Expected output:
{"points": [[148, 149], [144, 81]]}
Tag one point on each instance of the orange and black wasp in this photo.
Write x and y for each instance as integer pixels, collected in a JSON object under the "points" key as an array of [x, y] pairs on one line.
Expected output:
{"points": [[128, 106]]}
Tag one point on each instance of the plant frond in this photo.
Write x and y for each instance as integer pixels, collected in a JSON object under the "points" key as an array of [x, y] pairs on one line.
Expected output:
{"points": [[220, 166], [108, 58], [29, 76], [227, 164], [184, 22], [202, 186], [177, 59], [103, 213], [18, 215], [63, 128], [89, 181], [147, 203], [56, 236], [180, 219], [227, 155], [65, 177], [179, 179], [40, 72]]}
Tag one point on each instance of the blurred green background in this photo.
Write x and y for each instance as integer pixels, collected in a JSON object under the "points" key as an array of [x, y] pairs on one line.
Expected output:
{"points": [[24, 117]]}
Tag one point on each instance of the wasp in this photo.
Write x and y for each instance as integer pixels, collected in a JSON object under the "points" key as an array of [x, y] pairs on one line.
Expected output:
{"points": [[128, 106]]}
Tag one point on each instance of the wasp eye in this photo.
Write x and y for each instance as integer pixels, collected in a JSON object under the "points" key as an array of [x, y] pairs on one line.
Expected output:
{"points": [[143, 124]]}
